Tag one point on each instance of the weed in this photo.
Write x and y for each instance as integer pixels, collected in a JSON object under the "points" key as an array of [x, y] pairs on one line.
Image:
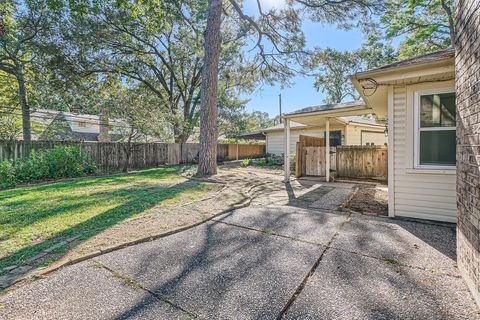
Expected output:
{"points": [[246, 162]]}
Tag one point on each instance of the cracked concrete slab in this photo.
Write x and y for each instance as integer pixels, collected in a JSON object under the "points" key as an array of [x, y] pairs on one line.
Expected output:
{"points": [[418, 244], [83, 291], [303, 224], [350, 286], [223, 271], [333, 200], [218, 271]]}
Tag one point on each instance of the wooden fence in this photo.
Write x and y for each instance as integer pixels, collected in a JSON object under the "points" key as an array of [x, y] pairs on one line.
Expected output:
{"points": [[362, 162], [244, 151], [113, 155], [345, 161]]}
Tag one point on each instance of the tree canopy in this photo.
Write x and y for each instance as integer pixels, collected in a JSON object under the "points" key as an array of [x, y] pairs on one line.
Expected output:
{"points": [[334, 67], [425, 25], [157, 48]]}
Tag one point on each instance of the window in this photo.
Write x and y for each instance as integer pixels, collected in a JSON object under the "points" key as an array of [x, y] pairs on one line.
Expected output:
{"points": [[335, 138], [435, 134], [82, 124]]}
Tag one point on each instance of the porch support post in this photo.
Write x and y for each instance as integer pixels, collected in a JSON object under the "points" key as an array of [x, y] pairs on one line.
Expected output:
{"points": [[286, 150], [327, 149]]}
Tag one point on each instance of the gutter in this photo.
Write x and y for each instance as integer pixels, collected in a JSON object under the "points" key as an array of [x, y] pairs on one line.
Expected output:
{"points": [[315, 113], [376, 72]]}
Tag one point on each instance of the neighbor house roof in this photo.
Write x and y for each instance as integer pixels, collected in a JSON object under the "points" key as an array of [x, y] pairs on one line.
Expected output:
{"points": [[59, 125], [46, 116]]}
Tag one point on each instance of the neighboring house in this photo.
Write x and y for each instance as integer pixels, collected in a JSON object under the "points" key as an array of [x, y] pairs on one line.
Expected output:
{"points": [[61, 125], [351, 130], [418, 98]]}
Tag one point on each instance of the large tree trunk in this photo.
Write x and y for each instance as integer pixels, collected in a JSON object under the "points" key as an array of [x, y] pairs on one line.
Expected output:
{"points": [[207, 162], [22, 92]]}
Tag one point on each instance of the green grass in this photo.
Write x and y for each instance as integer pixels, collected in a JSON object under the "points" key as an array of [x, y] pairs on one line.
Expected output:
{"points": [[35, 218]]}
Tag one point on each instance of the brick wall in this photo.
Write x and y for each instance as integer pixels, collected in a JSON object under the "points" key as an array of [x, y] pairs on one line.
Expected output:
{"points": [[467, 67]]}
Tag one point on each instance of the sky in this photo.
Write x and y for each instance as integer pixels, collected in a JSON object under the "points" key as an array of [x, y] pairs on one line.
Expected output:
{"points": [[302, 93]]}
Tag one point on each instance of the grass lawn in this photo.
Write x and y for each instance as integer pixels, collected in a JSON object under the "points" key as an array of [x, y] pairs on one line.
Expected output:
{"points": [[33, 219]]}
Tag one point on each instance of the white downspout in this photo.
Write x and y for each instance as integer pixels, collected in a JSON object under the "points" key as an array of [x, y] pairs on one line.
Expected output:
{"points": [[391, 154], [286, 150], [327, 149]]}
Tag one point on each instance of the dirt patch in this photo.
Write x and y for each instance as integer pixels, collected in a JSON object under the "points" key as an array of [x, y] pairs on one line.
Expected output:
{"points": [[370, 200]]}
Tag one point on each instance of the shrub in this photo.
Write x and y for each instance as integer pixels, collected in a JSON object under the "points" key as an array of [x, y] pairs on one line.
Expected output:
{"points": [[59, 162], [246, 162], [261, 163], [7, 173]]}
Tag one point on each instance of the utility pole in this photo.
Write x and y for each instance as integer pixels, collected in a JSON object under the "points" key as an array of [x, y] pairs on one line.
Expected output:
{"points": [[280, 106]]}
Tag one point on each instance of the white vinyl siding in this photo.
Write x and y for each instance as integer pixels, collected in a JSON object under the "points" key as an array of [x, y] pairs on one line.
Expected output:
{"points": [[275, 139], [359, 135], [351, 135], [375, 138], [417, 193]]}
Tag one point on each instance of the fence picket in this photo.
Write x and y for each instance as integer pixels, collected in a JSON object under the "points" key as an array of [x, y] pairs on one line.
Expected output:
{"points": [[112, 155]]}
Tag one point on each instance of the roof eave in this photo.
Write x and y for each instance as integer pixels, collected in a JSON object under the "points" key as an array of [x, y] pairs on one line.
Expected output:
{"points": [[334, 112], [367, 124], [423, 64]]}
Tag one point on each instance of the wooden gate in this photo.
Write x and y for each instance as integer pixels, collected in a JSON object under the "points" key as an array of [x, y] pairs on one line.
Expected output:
{"points": [[314, 163], [303, 142], [314, 158]]}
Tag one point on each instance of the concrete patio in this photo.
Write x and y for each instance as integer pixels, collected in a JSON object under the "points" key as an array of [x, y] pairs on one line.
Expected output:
{"points": [[264, 262]]}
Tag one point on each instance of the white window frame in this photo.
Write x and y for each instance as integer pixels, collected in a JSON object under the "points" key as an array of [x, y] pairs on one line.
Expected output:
{"points": [[416, 152]]}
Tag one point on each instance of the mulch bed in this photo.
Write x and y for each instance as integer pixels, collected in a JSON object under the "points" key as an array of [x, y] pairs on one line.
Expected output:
{"points": [[369, 200]]}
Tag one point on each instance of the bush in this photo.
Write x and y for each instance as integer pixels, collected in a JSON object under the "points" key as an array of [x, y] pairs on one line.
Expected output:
{"points": [[59, 162], [261, 163], [246, 162], [7, 172]]}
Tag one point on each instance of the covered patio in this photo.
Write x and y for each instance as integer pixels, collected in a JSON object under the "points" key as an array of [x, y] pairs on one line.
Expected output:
{"points": [[323, 115]]}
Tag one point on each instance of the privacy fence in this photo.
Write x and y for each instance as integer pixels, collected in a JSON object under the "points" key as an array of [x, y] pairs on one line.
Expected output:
{"points": [[362, 162], [113, 155], [345, 161]]}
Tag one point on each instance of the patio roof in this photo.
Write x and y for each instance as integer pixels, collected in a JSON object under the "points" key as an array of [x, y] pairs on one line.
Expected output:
{"points": [[317, 115]]}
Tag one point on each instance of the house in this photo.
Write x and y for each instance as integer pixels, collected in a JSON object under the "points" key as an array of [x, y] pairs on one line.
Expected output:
{"points": [[62, 125], [467, 71], [418, 98], [350, 130]]}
